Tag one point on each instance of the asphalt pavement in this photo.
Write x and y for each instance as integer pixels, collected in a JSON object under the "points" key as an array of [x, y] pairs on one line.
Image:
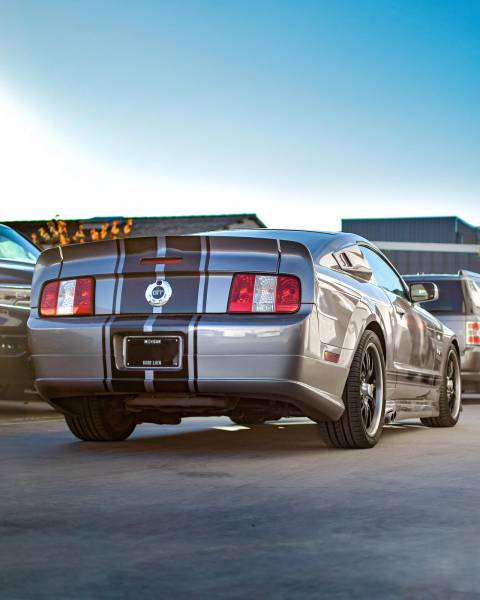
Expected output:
{"points": [[207, 509]]}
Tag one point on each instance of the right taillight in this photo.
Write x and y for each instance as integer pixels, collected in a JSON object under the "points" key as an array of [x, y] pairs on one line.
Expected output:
{"points": [[251, 293], [473, 333]]}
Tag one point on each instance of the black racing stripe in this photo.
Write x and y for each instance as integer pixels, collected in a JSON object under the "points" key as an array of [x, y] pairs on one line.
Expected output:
{"points": [[104, 354], [172, 380], [109, 319], [196, 319], [136, 275], [207, 264], [135, 250], [183, 277], [185, 283], [187, 245], [125, 380], [112, 356], [419, 378], [133, 380], [115, 274]]}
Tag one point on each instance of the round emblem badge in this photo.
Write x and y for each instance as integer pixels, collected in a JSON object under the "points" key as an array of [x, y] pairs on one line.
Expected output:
{"points": [[158, 293]]}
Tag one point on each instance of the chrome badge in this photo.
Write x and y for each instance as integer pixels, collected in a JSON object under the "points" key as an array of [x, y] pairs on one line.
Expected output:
{"points": [[158, 293]]}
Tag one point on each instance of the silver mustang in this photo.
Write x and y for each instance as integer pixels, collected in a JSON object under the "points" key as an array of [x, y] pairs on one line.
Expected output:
{"points": [[256, 325]]}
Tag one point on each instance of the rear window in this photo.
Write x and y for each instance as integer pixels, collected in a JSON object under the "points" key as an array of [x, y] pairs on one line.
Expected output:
{"points": [[450, 298]]}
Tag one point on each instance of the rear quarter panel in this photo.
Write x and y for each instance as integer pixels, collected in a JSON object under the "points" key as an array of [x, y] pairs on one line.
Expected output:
{"points": [[345, 308]]}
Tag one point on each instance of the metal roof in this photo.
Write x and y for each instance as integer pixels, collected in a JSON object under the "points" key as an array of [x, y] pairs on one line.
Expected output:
{"points": [[451, 230]]}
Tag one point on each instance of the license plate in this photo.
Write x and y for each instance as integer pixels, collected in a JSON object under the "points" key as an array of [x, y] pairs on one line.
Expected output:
{"points": [[153, 352]]}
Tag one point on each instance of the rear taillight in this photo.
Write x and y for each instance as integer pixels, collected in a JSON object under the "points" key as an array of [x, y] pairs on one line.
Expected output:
{"points": [[473, 333], [287, 297], [264, 294], [69, 297]]}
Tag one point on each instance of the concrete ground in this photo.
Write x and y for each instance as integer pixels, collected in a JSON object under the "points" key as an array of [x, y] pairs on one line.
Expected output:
{"points": [[210, 510]]}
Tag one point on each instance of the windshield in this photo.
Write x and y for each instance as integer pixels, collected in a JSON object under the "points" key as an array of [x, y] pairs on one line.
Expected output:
{"points": [[13, 246]]}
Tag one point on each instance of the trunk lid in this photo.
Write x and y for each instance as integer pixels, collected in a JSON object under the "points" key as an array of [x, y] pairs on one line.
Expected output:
{"points": [[198, 269]]}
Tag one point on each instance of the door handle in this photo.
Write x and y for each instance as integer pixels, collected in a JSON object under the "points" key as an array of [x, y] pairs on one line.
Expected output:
{"points": [[399, 310]]}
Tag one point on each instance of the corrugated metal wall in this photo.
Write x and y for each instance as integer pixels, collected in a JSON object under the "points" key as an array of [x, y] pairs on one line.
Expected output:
{"points": [[433, 262], [436, 229], [441, 230]]}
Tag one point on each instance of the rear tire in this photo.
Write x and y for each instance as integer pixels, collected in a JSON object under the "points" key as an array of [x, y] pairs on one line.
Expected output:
{"points": [[101, 420], [450, 402], [361, 424]]}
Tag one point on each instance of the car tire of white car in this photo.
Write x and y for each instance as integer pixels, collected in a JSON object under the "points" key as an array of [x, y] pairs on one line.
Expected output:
{"points": [[450, 400]]}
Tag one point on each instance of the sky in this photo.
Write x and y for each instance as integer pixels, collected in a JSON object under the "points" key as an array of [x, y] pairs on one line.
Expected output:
{"points": [[304, 112]]}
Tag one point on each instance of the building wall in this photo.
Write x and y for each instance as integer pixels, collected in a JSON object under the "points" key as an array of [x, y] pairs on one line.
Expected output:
{"points": [[448, 230], [415, 232], [408, 262]]}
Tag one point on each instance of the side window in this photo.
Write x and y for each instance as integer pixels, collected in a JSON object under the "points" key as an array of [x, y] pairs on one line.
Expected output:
{"points": [[384, 276]]}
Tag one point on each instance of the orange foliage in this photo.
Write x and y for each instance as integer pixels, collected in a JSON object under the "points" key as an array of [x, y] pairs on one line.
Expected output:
{"points": [[56, 233]]}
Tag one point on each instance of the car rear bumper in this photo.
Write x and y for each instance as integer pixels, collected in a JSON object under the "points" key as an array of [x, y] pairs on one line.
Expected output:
{"points": [[471, 370], [471, 363], [265, 356]]}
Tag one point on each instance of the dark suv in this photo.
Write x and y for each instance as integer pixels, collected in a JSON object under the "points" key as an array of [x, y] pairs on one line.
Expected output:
{"points": [[17, 260], [458, 306]]}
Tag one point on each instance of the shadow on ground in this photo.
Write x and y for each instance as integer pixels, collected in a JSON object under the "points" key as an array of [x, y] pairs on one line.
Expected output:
{"points": [[295, 437]]}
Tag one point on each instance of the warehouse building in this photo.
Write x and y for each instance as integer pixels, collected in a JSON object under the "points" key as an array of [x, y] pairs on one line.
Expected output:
{"points": [[423, 244]]}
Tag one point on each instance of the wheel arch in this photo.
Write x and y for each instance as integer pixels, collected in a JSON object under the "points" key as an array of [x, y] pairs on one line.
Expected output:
{"points": [[377, 329], [456, 346]]}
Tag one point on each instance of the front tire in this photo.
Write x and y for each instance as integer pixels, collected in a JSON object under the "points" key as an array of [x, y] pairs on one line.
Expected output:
{"points": [[361, 424], [450, 401], [101, 420]]}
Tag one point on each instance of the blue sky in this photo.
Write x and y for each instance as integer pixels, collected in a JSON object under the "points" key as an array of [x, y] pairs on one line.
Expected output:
{"points": [[304, 112]]}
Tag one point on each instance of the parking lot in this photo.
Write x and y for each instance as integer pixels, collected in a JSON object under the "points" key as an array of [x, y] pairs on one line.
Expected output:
{"points": [[207, 509]]}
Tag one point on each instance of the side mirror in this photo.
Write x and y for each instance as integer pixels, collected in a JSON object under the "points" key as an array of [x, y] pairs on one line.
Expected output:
{"points": [[423, 291]]}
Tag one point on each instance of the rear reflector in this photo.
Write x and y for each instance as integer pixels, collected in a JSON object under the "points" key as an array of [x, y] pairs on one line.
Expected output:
{"points": [[264, 294], [331, 356], [473, 333], [69, 297]]}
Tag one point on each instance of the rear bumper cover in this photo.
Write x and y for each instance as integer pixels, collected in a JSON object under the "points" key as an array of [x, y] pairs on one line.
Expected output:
{"points": [[471, 365], [261, 356]]}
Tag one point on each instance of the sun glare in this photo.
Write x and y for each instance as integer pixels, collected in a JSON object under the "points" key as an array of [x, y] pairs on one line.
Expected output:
{"points": [[44, 174]]}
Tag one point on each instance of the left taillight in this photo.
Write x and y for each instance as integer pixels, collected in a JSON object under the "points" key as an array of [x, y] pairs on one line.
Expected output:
{"points": [[251, 293], [68, 297]]}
